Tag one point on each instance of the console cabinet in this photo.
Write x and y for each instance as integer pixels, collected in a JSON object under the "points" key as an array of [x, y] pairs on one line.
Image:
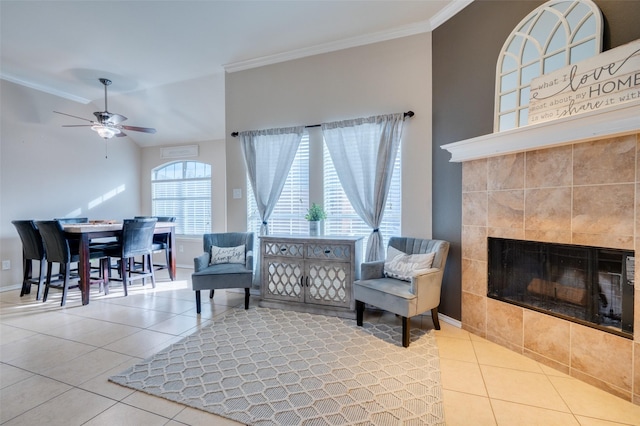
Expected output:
{"points": [[310, 274]]}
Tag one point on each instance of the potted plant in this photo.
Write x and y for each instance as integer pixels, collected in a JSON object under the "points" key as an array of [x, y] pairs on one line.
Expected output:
{"points": [[316, 216]]}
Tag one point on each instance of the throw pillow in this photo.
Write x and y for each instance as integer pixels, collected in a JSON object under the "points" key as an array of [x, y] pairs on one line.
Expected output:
{"points": [[227, 255], [404, 266]]}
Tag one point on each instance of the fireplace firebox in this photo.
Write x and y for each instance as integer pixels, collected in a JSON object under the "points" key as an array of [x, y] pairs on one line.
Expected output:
{"points": [[593, 286]]}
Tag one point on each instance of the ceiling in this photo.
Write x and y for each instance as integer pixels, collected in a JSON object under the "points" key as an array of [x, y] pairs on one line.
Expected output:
{"points": [[167, 59]]}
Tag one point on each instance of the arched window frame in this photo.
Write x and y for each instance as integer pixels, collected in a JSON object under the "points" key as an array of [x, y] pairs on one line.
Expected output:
{"points": [[183, 189], [511, 104]]}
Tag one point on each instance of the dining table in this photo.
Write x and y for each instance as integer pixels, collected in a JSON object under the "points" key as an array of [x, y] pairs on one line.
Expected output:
{"points": [[84, 233]]}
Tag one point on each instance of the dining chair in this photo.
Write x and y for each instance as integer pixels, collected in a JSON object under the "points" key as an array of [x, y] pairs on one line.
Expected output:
{"points": [[60, 251], [161, 243], [32, 250], [136, 240]]}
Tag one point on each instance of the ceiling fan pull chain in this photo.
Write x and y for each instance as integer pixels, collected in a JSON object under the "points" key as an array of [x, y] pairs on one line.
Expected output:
{"points": [[106, 149]]}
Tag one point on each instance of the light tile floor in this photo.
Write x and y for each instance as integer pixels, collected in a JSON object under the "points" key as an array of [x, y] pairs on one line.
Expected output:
{"points": [[54, 364]]}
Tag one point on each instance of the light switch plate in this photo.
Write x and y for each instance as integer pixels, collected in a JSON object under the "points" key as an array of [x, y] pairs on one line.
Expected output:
{"points": [[237, 193]]}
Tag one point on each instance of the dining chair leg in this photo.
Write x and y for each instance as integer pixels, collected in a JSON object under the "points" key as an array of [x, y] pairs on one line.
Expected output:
{"points": [[153, 275], [26, 277], [123, 274], [211, 294], [104, 274], [171, 276], [46, 287], [41, 279], [65, 288], [246, 298], [198, 303]]}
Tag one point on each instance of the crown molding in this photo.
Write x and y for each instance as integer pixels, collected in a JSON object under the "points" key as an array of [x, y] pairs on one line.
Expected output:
{"points": [[449, 11], [45, 89], [404, 31]]}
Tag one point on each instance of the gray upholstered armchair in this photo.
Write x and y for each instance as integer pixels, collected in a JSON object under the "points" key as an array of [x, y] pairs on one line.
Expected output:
{"points": [[227, 262], [414, 293]]}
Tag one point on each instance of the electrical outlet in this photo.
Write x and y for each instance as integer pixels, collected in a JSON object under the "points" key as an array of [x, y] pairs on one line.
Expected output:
{"points": [[181, 248], [6, 264]]}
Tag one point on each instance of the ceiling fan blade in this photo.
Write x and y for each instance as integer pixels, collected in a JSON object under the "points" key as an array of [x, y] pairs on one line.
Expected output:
{"points": [[116, 118], [74, 116], [139, 129]]}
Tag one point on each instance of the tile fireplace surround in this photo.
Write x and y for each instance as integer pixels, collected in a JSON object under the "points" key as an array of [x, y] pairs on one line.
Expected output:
{"points": [[565, 190]]}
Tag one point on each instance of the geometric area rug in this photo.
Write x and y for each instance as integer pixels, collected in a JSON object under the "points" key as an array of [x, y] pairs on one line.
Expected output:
{"points": [[277, 367]]}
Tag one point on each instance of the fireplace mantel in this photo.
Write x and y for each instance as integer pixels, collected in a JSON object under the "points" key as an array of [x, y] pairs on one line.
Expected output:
{"points": [[614, 121]]}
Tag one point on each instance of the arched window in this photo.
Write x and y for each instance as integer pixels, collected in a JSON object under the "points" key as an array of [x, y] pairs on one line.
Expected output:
{"points": [[183, 189], [556, 34]]}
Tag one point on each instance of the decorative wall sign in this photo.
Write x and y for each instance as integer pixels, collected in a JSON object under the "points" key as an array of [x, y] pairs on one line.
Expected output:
{"points": [[610, 78]]}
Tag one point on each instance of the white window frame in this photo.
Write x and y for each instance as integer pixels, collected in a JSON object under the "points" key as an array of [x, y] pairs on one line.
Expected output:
{"points": [[187, 195], [536, 47], [288, 215]]}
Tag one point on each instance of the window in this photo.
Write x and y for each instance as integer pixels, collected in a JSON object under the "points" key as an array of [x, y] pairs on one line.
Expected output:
{"points": [[556, 34], [288, 215], [342, 218], [183, 189]]}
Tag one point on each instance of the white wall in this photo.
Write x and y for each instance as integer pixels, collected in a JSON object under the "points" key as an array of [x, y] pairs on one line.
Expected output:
{"points": [[381, 78], [211, 152], [48, 171]]}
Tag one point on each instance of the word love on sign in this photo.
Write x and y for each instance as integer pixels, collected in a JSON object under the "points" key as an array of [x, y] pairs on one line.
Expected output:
{"points": [[611, 78]]}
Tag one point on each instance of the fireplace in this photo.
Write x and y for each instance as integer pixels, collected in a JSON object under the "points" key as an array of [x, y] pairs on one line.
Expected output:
{"points": [[592, 286], [571, 181]]}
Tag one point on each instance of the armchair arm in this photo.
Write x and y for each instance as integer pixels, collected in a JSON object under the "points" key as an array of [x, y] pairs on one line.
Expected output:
{"points": [[372, 270], [426, 287], [201, 262], [249, 259]]}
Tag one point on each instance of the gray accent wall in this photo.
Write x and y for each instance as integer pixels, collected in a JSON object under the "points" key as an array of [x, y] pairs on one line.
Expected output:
{"points": [[465, 50]]}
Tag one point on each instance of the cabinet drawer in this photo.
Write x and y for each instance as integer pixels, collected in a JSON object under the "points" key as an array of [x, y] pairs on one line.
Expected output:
{"points": [[340, 252], [284, 249]]}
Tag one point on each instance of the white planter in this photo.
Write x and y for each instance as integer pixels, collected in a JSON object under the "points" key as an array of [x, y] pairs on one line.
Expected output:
{"points": [[316, 228]]}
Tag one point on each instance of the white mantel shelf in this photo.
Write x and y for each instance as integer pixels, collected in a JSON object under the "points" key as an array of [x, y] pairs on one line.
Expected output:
{"points": [[614, 121]]}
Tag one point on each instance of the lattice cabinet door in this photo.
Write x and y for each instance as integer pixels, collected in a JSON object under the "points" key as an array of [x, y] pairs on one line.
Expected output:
{"points": [[328, 283], [310, 274], [284, 279]]}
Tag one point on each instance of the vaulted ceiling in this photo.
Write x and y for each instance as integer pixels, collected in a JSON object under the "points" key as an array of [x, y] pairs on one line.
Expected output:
{"points": [[167, 59]]}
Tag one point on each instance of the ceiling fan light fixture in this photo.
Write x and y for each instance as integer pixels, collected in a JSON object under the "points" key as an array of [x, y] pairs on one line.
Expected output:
{"points": [[104, 131]]}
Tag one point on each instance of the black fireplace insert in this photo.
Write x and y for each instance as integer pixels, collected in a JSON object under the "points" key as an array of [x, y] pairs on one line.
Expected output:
{"points": [[593, 286]]}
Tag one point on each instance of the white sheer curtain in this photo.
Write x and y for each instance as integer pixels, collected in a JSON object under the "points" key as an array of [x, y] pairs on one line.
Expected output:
{"points": [[268, 155], [363, 152]]}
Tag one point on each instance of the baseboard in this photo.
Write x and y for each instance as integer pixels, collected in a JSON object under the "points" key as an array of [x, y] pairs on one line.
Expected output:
{"points": [[11, 287], [449, 320]]}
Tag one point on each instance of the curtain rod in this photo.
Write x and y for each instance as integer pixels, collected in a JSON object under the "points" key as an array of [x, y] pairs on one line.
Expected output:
{"points": [[406, 114]]}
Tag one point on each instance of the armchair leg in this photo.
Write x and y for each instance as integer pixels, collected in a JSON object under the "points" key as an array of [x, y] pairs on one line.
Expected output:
{"points": [[406, 331], [198, 301], [434, 317], [211, 294], [246, 298], [359, 312]]}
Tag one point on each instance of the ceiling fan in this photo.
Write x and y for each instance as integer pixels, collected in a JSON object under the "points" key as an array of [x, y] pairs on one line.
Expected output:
{"points": [[108, 124]]}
